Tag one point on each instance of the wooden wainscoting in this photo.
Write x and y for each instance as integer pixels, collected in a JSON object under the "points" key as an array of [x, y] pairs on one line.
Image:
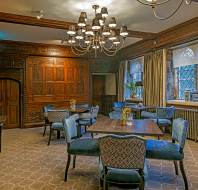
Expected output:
{"points": [[54, 81]]}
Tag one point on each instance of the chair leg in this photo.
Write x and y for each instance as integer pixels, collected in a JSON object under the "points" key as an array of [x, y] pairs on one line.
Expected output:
{"points": [[50, 135], [74, 161], [181, 164], [67, 166], [176, 167], [105, 185], [141, 187], [44, 130], [85, 128]]}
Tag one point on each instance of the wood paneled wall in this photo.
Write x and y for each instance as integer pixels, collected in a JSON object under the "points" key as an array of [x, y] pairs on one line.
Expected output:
{"points": [[54, 81], [48, 75]]}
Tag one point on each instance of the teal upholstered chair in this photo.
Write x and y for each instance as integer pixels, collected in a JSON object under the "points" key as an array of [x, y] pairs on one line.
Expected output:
{"points": [[115, 115], [164, 150], [163, 116], [55, 118], [77, 146], [45, 110], [117, 106], [122, 161], [89, 118]]}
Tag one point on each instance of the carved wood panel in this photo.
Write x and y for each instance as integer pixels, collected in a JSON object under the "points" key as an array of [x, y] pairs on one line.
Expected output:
{"points": [[9, 102], [54, 81]]}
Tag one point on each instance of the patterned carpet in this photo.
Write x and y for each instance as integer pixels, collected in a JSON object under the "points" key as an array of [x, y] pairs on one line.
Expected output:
{"points": [[26, 162]]}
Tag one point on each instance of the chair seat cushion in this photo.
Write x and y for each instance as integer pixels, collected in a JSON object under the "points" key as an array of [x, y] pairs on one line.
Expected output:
{"points": [[164, 150], [57, 126], [87, 122], [147, 115], [86, 146], [123, 176], [163, 122]]}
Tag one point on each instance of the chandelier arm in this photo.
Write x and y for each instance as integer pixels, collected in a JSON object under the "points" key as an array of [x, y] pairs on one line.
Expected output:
{"points": [[83, 48], [78, 53], [108, 53], [112, 51], [153, 4], [80, 50], [164, 18], [108, 50]]}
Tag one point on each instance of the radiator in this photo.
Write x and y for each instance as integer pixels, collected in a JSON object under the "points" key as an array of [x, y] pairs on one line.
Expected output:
{"points": [[191, 115]]}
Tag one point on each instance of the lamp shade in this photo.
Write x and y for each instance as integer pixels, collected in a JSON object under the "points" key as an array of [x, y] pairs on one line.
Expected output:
{"points": [[72, 30], [81, 21], [88, 31], [106, 31], [123, 31], [112, 36], [83, 15], [104, 12], [71, 40], [79, 34], [112, 22], [95, 24]]}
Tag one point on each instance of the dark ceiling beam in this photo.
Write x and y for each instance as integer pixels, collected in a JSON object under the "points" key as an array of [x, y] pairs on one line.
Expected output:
{"points": [[43, 22]]}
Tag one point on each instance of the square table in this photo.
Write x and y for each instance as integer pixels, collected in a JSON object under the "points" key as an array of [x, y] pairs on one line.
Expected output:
{"points": [[141, 127]]}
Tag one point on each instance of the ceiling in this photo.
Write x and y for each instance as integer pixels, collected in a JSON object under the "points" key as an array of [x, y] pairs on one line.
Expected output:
{"points": [[129, 12]]}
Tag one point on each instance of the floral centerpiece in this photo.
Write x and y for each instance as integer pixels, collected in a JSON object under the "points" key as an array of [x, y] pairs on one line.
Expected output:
{"points": [[72, 104], [125, 113]]}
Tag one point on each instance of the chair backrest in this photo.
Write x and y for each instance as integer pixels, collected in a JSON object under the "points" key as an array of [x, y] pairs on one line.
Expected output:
{"points": [[94, 111], [124, 152], [115, 115], [47, 108], [70, 128], [179, 131], [57, 115], [165, 112]]}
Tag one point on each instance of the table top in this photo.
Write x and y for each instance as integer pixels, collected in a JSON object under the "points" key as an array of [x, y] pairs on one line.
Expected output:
{"points": [[79, 110], [139, 127]]}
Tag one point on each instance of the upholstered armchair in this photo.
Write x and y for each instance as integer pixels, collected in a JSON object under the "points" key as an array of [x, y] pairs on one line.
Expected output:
{"points": [[122, 161], [89, 118], [115, 115], [75, 145], [55, 118], [173, 151], [45, 110], [117, 106], [163, 116]]}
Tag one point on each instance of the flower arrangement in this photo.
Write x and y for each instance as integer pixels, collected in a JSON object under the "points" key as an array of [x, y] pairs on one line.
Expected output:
{"points": [[132, 87], [125, 113], [72, 104]]}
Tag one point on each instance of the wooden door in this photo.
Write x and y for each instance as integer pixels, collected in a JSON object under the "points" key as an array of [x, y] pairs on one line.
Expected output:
{"points": [[9, 102], [98, 89]]}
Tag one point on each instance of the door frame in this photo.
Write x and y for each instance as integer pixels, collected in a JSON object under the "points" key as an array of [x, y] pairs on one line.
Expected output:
{"points": [[17, 76]]}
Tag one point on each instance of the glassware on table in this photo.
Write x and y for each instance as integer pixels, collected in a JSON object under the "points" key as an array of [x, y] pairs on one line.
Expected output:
{"points": [[129, 119]]}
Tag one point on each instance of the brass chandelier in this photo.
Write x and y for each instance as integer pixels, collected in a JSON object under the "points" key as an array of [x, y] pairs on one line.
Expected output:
{"points": [[97, 36], [154, 3]]}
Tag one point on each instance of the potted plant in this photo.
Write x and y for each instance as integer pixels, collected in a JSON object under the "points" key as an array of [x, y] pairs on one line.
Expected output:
{"points": [[132, 87]]}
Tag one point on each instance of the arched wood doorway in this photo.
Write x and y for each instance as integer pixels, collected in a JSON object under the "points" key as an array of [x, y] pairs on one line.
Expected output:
{"points": [[10, 102]]}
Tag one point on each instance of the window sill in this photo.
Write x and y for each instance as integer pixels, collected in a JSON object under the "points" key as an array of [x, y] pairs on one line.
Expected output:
{"points": [[182, 103]]}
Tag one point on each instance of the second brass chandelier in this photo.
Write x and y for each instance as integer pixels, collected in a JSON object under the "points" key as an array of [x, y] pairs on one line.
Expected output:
{"points": [[101, 35]]}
